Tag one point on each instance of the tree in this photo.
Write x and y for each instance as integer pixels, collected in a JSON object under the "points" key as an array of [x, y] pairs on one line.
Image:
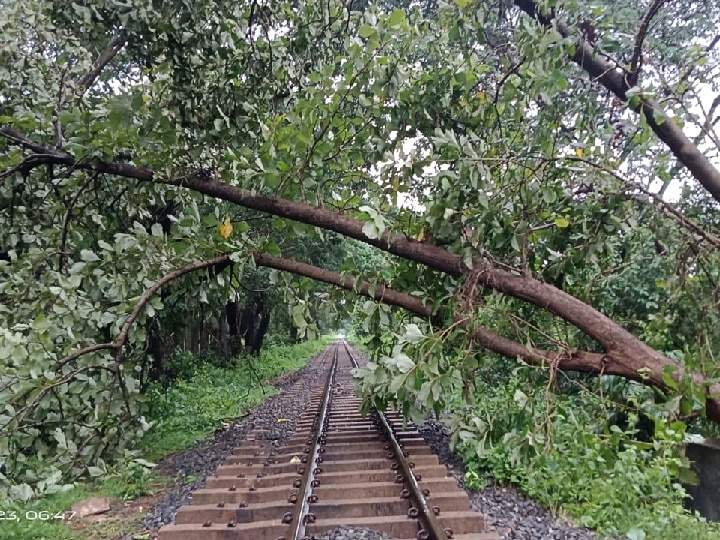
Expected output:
{"points": [[462, 144]]}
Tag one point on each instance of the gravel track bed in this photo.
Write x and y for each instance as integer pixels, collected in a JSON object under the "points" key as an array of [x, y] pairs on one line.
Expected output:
{"points": [[348, 533], [209, 453], [514, 516]]}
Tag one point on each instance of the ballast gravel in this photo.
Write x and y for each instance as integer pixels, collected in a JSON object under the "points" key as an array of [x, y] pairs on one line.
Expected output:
{"points": [[349, 533], [513, 516], [208, 454]]}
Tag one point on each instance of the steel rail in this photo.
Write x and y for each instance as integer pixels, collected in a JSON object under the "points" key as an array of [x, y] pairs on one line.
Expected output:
{"points": [[426, 516], [297, 526]]}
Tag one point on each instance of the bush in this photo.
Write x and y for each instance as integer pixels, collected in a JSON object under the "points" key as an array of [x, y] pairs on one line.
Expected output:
{"points": [[558, 449]]}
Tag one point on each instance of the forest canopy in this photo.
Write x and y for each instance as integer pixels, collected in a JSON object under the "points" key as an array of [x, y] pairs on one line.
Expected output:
{"points": [[478, 182]]}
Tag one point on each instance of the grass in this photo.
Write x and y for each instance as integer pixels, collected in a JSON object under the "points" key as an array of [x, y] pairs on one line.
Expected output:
{"points": [[193, 409], [61, 526], [189, 411]]}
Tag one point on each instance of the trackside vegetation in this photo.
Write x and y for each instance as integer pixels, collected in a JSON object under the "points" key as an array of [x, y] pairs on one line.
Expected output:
{"points": [[558, 447], [202, 400], [517, 203], [193, 407]]}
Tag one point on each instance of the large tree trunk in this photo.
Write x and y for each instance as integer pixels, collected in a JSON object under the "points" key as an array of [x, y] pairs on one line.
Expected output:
{"points": [[234, 316], [624, 354], [262, 329], [156, 352], [255, 321], [223, 334]]}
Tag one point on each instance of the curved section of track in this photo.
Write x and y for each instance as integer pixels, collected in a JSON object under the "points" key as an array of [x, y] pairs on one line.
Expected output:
{"points": [[338, 469]]}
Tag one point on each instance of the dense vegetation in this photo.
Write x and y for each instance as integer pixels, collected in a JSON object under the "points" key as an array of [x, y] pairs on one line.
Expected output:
{"points": [[531, 182], [203, 399]]}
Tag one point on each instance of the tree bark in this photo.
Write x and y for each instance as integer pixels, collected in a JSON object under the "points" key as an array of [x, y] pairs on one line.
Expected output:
{"points": [[624, 354], [223, 334]]}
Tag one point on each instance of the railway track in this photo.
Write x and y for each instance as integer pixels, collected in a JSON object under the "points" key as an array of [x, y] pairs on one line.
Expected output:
{"points": [[338, 469]]}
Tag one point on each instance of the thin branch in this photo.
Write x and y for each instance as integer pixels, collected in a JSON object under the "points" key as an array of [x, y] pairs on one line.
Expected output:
{"points": [[635, 61], [512, 71], [118, 343], [150, 292], [58, 110], [115, 46], [664, 205], [21, 413], [66, 221], [43, 152], [81, 352], [689, 72]]}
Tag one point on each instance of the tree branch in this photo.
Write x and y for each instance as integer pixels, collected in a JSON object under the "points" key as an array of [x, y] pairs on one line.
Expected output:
{"points": [[624, 353], [635, 61], [616, 79], [217, 262], [115, 46], [570, 360], [380, 293]]}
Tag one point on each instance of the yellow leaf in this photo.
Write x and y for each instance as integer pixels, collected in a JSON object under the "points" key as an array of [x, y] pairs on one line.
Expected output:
{"points": [[580, 152], [225, 228], [281, 420], [561, 222], [421, 235]]}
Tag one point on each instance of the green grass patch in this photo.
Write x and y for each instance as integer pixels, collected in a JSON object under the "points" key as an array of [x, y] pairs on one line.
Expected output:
{"points": [[192, 409], [49, 518]]}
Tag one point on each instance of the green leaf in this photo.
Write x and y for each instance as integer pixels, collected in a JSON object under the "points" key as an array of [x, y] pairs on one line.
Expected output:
{"points": [[365, 31], [634, 91], [636, 534], [403, 362], [88, 255], [95, 471], [412, 334], [370, 230], [271, 248], [137, 102], [659, 117], [668, 379], [397, 383], [396, 18], [562, 222]]}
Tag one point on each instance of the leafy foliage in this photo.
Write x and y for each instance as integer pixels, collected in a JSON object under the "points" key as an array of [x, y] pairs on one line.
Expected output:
{"points": [[528, 206], [559, 449]]}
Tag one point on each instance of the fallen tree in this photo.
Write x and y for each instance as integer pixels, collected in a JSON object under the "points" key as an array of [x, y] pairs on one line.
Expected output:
{"points": [[506, 196]]}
